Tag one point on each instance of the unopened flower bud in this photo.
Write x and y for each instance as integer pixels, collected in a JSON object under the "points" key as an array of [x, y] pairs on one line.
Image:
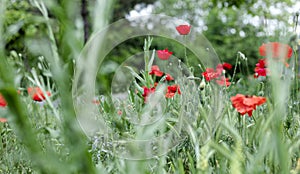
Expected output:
{"points": [[202, 85]]}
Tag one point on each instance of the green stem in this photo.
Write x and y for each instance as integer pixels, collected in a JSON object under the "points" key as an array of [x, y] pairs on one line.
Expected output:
{"points": [[185, 55], [147, 45], [296, 68]]}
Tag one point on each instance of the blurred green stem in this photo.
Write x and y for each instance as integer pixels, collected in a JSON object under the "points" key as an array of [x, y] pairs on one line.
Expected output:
{"points": [[185, 54], [76, 140], [147, 45]]}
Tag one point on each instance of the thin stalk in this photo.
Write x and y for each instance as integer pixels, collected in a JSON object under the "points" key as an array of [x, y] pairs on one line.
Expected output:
{"points": [[147, 45], [296, 76], [185, 55], [235, 67]]}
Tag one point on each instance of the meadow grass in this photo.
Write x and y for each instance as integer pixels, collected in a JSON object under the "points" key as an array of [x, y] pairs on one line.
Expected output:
{"points": [[197, 131]]}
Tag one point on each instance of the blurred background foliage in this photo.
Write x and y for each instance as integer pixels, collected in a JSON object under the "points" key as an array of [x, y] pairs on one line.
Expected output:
{"points": [[230, 25]]}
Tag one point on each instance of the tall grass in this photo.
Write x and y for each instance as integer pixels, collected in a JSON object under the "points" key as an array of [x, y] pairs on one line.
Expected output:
{"points": [[197, 132]]}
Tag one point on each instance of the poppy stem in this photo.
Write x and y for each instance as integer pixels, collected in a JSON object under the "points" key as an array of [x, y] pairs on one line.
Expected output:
{"points": [[296, 69], [185, 55], [147, 45], [235, 67]]}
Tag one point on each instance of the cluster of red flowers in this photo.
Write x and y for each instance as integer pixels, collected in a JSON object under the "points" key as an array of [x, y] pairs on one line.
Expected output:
{"points": [[261, 68], [246, 104], [277, 51], [157, 72], [165, 55], [171, 90], [211, 74], [35, 93]]}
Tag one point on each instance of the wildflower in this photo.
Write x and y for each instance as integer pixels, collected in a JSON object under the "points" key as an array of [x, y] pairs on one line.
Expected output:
{"points": [[227, 66], [210, 73], [183, 29], [37, 94], [202, 85], [96, 101], [246, 104], [156, 71], [171, 90], [119, 112], [147, 92], [169, 77], [223, 81], [276, 49], [2, 101], [260, 69], [164, 54], [3, 120]]}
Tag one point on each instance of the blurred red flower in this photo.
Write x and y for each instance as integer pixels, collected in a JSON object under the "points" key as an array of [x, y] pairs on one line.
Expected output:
{"points": [[37, 94], [96, 101], [183, 29], [171, 90], [119, 112], [246, 104], [223, 81], [276, 49], [227, 66], [156, 71], [3, 120], [2, 101], [147, 92], [169, 77], [210, 73], [164, 54], [260, 69]]}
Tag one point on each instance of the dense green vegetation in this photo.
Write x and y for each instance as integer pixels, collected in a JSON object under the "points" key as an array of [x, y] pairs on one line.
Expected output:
{"points": [[78, 94]]}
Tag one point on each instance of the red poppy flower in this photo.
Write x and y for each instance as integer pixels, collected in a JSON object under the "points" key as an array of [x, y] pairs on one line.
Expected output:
{"points": [[119, 112], [147, 92], [169, 77], [3, 120], [227, 66], [156, 71], [37, 94], [2, 101], [164, 54], [171, 90], [210, 73], [260, 69], [276, 49], [246, 104], [223, 81], [183, 29]]}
